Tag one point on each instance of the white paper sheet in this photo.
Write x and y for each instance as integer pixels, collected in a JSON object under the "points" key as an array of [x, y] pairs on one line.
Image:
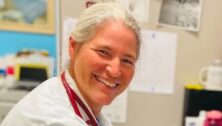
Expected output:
{"points": [[138, 8], [155, 70], [117, 111], [68, 25]]}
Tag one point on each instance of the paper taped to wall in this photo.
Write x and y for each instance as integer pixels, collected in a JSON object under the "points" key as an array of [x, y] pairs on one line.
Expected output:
{"points": [[155, 70]]}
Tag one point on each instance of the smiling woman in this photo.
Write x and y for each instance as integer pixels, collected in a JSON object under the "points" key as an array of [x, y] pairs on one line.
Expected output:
{"points": [[28, 16], [102, 64], [104, 59]]}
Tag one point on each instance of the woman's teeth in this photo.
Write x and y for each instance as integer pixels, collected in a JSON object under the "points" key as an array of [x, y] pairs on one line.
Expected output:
{"points": [[107, 83]]}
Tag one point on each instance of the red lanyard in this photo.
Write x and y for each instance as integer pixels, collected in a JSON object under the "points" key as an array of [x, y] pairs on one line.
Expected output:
{"points": [[73, 98]]}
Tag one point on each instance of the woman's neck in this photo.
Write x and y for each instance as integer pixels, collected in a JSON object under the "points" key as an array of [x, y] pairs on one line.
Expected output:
{"points": [[95, 108]]}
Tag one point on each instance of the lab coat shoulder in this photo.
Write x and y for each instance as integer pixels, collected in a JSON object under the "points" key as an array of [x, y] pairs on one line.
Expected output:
{"points": [[104, 121], [46, 105]]}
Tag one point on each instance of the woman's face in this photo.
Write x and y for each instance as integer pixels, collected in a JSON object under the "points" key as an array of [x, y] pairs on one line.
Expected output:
{"points": [[104, 65]]}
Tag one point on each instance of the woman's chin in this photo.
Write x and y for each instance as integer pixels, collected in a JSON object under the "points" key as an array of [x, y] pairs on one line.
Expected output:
{"points": [[104, 100]]}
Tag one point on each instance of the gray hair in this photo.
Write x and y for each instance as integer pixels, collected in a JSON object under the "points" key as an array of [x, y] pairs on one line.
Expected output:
{"points": [[97, 14]]}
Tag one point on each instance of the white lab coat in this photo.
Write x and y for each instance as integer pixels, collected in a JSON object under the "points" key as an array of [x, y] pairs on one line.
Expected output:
{"points": [[49, 105]]}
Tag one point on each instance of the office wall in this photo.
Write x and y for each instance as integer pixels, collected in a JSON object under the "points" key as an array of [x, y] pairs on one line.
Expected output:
{"points": [[195, 50]]}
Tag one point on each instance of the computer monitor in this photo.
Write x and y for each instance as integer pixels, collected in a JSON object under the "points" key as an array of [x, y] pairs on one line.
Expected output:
{"points": [[38, 74]]}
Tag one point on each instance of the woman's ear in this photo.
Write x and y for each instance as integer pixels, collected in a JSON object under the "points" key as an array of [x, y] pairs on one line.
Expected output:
{"points": [[72, 47]]}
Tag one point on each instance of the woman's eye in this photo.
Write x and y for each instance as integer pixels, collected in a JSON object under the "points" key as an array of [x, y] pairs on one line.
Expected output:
{"points": [[103, 52], [129, 62]]}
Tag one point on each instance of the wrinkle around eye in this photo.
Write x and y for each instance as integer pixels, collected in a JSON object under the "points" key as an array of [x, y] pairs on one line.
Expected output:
{"points": [[102, 52], [129, 62]]}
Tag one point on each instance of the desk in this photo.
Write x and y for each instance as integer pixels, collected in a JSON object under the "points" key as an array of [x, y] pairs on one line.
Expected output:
{"points": [[8, 98]]}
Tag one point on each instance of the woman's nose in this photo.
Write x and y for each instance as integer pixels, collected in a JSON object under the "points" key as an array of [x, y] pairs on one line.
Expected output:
{"points": [[113, 68]]}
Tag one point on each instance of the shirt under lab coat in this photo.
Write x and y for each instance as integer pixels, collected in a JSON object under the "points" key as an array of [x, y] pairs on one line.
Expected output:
{"points": [[49, 105]]}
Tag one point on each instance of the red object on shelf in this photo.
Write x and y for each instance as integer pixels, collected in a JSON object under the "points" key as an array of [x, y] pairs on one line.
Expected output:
{"points": [[10, 70], [213, 118]]}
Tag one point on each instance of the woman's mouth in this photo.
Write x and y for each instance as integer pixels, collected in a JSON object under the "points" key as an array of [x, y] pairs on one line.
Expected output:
{"points": [[106, 82]]}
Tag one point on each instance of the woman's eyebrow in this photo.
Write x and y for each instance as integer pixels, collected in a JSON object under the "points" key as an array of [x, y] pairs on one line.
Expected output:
{"points": [[105, 47], [131, 56]]}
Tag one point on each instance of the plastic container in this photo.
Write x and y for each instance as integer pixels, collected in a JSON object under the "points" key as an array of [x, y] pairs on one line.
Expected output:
{"points": [[213, 118], [211, 76], [10, 77]]}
